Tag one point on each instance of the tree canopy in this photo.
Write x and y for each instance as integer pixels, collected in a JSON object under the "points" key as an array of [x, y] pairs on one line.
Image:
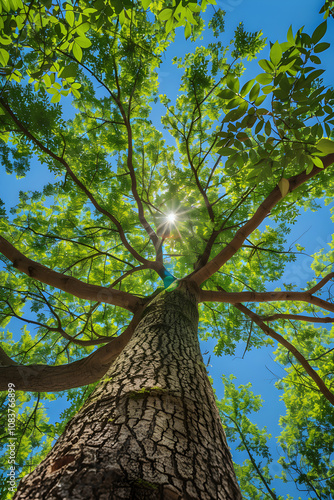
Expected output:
{"points": [[132, 206]]}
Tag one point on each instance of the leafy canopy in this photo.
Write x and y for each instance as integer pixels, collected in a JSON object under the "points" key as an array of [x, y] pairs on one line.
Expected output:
{"points": [[79, 88]]}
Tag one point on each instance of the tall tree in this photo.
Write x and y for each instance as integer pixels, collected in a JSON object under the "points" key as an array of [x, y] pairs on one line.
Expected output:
{"points": [[126, 212]]}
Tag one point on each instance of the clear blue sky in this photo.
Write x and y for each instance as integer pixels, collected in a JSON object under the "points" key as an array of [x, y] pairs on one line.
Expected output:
{"points": [[274, 19]]}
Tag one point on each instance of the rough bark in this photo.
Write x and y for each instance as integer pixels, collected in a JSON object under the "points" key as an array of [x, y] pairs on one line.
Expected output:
{"points": [[151, 429]]}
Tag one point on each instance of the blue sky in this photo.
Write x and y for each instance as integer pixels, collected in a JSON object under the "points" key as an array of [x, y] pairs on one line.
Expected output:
{"points": [[313, 231]]}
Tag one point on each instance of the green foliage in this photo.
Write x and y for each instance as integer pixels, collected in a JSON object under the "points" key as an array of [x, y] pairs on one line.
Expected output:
{"points": [[217, 23], [247, 44], [270, 139], [33, 435], [306, 439], [254, 473]]}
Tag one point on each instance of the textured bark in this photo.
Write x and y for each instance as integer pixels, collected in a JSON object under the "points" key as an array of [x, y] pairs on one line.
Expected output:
{"points": [[151, 429]]}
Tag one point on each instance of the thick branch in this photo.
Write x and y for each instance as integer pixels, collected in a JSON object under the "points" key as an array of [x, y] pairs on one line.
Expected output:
{"points": [[285, 343], [68, 284], [44, 378], [5, 360], [321, 283], [261, 213]]}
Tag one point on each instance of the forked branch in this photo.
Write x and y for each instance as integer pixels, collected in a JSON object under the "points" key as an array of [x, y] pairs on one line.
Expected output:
{"points": [[66, 283], [45, 378], [285, 343]]}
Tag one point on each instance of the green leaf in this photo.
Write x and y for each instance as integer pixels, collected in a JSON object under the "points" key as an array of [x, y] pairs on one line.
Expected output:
{"points": [[254, 92], [6, 40], [69, 71], [319, 32], [290, 37], [325, 146], [226, 151], [169, 25], [276, 54], [317, 162], [56, 98], [165, 14], [266, 65], [314, 75], [259, 126], [226, 94], [284, 186], [264, 78], [83, 42], [321, 47], [235, 114], [259, 100], [267, 128], [4, 57], [77, 52], [246, 88], [242, 136], [233, 83], [315, 59], [268, 89], [187, 30], [69, 16], [47, 80]]}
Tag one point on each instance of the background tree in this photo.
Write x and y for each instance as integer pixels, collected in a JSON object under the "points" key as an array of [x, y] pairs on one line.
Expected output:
{"points": [[126, 212]]}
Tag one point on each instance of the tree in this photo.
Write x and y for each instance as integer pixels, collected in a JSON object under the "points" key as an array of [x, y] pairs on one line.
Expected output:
{"points": [[126, 211]]}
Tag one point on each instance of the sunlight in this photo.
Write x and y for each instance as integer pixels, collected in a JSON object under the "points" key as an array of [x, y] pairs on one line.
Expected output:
{"points": [[171, 218]]}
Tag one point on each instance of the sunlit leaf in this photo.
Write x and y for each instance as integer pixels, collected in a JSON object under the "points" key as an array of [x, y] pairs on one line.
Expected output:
{"points": [[325, 146], [275, 53], [284, 186]]}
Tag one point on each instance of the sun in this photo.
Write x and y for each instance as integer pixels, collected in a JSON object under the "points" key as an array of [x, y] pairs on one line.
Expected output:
{"points": [[171, 218]]}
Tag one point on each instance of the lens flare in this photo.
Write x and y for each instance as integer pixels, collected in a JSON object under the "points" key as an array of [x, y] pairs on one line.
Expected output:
{"points": [[171, 218]]}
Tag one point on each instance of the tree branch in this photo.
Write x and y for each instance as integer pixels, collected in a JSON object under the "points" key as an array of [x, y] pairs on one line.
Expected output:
{"points": [[150, 231], [202, 261], [252, 459], [45, 378], [66, 283], [5, 360], [77, 181], [285, 343], [261, 213], [60, 329], [298, 317], [236, 297]]}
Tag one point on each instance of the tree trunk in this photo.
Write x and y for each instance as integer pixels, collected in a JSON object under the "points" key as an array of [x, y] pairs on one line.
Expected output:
{"points": [[151, 429]]}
